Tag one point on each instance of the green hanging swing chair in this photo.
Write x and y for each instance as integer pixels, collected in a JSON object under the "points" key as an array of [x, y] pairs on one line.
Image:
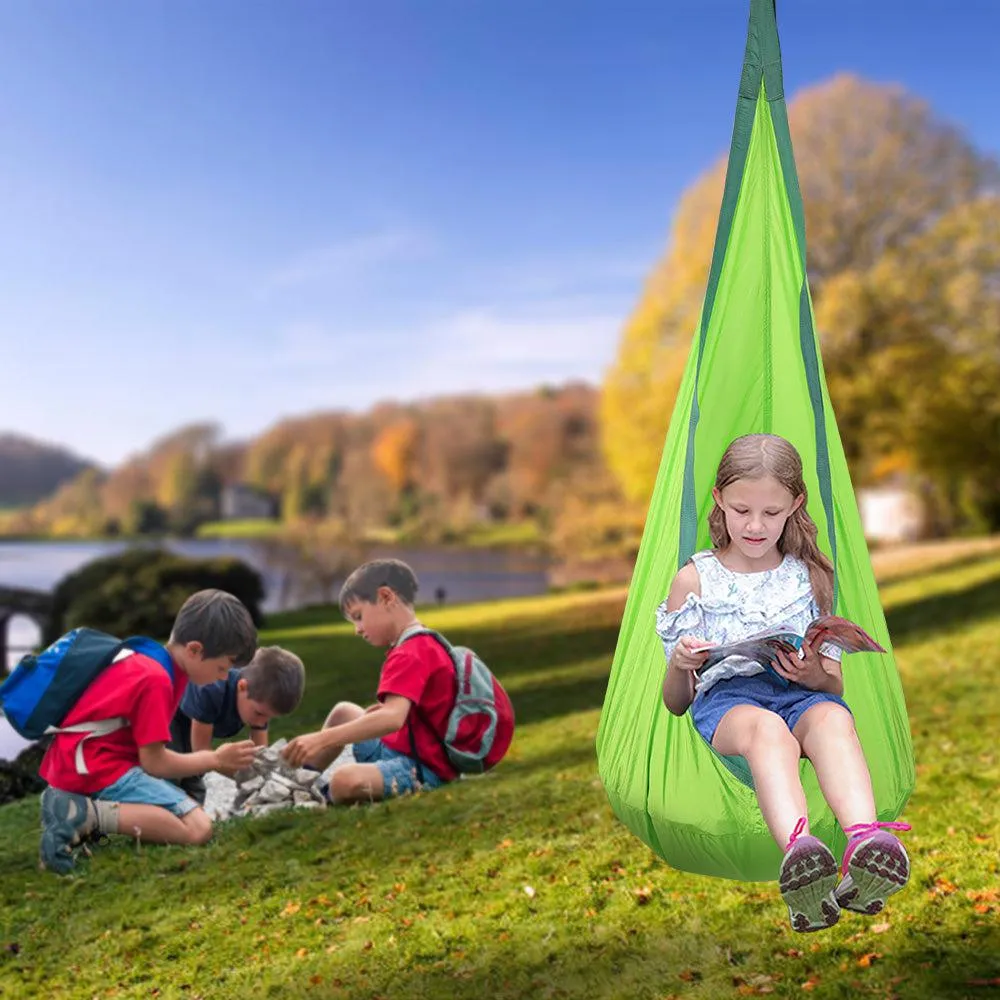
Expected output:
{"points": [[754, 367]]}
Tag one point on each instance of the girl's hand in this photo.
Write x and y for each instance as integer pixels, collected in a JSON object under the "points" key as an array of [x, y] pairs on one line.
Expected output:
{"points": [[690, 652], [807, 671]]}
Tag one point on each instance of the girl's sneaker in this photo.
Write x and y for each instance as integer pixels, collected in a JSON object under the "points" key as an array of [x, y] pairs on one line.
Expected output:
{"points": [[875, 866], [807, 878]]}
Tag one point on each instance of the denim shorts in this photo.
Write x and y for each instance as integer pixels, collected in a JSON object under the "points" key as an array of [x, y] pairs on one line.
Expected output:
{"points": [[135, 787], [400, 773], [790, 703]]}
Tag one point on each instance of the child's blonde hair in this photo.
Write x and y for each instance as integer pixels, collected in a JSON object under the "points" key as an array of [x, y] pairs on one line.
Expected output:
{"points": [[755, 456]]}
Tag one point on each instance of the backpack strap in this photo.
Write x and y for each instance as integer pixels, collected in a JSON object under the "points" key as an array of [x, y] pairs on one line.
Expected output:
{"points": [[408, 633], [152, 649], [92, 729]]}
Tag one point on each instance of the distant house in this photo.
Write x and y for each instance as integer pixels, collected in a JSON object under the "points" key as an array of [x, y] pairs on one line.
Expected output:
{"points": [[241, 501], [890, 514]]}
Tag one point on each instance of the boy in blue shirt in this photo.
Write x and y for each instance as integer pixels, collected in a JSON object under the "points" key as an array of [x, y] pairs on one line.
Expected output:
{"points": [[269, 686]]}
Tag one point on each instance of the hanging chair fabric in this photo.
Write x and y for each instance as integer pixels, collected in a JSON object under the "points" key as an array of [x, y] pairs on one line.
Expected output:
{"points": [[754, 367]]}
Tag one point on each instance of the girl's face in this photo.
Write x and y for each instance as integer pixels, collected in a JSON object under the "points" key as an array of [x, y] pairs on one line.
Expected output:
{"points": [[756, 511]]}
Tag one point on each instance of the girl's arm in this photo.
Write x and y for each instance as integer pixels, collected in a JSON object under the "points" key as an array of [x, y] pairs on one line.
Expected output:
{"points": [[678, 685]]}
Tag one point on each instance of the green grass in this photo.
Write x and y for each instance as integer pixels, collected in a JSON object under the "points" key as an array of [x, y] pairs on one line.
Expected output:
{"points": [[245, 528], [523, 535], [522, 883]]}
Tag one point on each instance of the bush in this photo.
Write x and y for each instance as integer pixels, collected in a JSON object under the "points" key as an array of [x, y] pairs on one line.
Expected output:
{"points": [[19, 777], [139, 592]]}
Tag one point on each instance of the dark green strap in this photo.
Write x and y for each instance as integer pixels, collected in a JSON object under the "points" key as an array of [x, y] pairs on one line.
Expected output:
{"points": [[762, 63], [811, 361], [761, 51]]}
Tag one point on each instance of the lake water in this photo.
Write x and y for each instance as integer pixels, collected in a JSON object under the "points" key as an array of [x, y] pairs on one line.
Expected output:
{"points": [[464, 575]]}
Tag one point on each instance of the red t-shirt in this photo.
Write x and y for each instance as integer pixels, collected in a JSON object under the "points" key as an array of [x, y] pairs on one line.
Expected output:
{"points": [[421, 670], [137, 688]]}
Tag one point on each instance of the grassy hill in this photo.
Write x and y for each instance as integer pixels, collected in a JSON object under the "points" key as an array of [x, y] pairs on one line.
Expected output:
{"points": [[522, 883]]}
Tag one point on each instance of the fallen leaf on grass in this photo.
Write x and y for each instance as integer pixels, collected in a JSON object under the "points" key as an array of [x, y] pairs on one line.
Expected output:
{"points": [[983, 895], [943, 887], [867, 959]]}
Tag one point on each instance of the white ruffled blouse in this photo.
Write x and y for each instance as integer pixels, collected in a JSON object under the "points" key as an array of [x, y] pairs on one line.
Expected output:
{"points": [[734, 606]]}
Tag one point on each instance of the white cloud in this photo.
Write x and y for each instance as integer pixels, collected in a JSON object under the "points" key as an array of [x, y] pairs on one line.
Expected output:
{"points": [[348, 258], [484, 349], [564, 275]]}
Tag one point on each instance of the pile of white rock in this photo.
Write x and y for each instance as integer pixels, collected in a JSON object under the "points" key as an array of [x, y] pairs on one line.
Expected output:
{"points": [[268, 785]]}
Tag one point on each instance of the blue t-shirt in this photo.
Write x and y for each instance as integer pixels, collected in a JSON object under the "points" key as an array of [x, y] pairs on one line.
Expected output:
{"points": [[214, 703]]}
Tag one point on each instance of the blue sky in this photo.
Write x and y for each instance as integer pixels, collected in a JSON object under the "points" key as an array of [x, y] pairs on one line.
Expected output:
{"points": [[242, 210]]}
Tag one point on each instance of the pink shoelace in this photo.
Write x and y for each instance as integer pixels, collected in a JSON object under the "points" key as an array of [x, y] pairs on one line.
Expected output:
{"points": [[854, 832], [796, 833], [858, 830], [863, 829]]}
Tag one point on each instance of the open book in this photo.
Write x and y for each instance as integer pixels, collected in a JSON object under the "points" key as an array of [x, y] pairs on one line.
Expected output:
{"points": [[763, 646]]}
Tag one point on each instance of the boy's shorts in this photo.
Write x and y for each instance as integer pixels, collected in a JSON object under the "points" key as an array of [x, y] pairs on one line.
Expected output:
{"points": [[400, 773], [790, 703], [135, 787]]}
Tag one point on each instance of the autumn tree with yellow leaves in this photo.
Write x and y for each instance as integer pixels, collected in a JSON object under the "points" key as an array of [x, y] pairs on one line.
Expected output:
{"points": [[905, 290]]}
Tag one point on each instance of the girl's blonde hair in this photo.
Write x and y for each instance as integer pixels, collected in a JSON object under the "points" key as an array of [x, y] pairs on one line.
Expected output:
{"points": [[755, 456]]}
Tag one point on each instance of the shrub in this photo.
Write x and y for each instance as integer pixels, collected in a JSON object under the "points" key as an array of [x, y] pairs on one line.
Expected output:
{"points": [[139, 591]]}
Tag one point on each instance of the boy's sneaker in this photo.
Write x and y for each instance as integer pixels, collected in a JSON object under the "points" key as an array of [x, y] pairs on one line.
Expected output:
{"points": [[807, 878], [875, 866], [66, 819]]}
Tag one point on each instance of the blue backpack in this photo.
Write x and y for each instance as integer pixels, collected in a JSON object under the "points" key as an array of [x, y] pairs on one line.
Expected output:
{"points": [[43, 688]]}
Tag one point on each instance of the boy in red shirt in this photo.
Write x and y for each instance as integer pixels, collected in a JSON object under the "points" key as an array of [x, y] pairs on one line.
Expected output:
{"points": [[116, 783], [397, 748]]}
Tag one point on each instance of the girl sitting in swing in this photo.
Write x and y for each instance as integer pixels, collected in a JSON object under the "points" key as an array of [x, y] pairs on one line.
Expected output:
{"points": [[765, 570]]}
